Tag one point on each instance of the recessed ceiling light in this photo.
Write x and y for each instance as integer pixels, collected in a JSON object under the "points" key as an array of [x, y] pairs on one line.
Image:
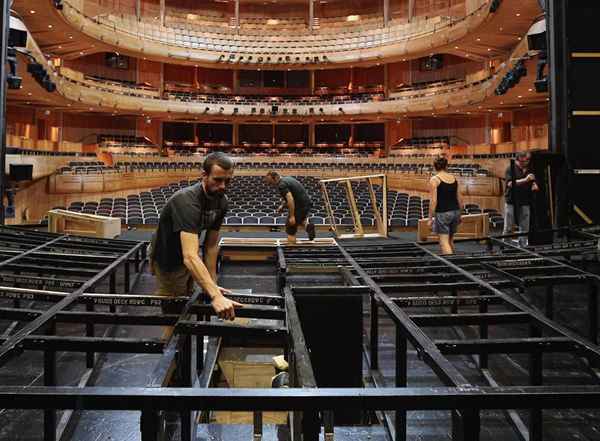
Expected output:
{"points": [[479, 39], [520, 96], [70, 37], [60, 47], [28, 93], [32, 12], [518, 14], [489, 49]]}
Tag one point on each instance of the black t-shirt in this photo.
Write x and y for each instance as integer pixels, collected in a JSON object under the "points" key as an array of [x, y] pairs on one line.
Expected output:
{"points": [[524, 192], [189, 210], [302, 202]]}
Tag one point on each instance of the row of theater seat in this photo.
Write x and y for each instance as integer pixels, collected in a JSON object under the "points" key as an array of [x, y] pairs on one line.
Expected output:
{"points": [[257, 100], [252, 202], [164, 166]]}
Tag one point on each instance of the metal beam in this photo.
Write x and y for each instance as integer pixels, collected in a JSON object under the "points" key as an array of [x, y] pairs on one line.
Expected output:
{"points": [[419, 398]]}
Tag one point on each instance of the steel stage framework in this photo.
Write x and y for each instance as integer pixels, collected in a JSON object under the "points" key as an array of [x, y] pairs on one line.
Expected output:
{"points": [[414, 287]]}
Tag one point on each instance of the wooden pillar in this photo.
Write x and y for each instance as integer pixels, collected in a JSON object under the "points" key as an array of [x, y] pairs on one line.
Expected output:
{"points": [[386, 13], [351, 85], [312, 82], [411, 10], [236, 81], [386, 80], [273, 135], [237, 16], [311, 134], [161, 86], [162, 12], [311, 14], [387, 141], [351, 140], [236, 134], [488, 129], [138, 9]]}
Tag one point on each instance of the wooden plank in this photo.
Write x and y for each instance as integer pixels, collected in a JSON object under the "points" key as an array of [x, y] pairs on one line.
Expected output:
{"points": [[471, 226], [82, 224]]}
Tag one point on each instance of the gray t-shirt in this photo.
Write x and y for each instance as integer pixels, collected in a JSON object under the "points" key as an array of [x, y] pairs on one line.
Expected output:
{"points": [[190, 210], [302, 201]]}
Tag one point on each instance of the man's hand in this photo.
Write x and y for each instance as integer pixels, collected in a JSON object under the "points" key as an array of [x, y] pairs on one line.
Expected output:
{"points": [[224, 307], [535, 187], [292, 220], [509, 184], [530, 177]]}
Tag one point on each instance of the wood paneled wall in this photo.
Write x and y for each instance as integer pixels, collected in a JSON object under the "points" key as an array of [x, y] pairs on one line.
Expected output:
{"points": [[95, 65]]}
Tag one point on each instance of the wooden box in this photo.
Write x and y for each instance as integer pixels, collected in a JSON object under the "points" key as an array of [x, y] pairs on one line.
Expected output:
{"points": [[471, 226], [81, 224], [248, 368]]}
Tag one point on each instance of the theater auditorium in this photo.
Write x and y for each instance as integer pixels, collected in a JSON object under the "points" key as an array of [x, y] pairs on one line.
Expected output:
{"points": [[299, 220]]}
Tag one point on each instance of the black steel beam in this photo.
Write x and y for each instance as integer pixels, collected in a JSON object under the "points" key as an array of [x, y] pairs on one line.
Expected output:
{"points": [[90, 344], [420, 398], [222, 329], [500, 318], [436, 301], [507, 346]]}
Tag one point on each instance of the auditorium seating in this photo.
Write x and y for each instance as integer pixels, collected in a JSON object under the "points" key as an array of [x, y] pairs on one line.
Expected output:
{"points": [[252, 202]]}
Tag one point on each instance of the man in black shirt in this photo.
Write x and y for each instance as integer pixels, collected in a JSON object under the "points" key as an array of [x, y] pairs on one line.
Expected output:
{"points": [[298, 202], [189, 212], [521, 194]]}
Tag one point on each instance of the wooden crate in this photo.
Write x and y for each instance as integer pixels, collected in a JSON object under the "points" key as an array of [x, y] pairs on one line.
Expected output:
{"points": [[81, 224], [248, 368], [471, 226]]}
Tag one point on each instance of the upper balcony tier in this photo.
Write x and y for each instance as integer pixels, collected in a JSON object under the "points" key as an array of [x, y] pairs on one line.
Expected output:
{"points": [[181, 36]]}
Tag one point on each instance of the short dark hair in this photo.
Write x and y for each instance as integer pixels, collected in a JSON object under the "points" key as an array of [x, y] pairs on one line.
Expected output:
{"points": [[273, 174], [440, 163], [217, 158]]}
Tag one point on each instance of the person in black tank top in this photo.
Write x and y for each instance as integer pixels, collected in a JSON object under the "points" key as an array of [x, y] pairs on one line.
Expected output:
{"points": [[445, 205]]}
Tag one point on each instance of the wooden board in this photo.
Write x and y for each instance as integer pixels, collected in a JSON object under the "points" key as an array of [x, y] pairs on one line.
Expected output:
{"points": [[248, 368], [81, 224], [471, 226]]}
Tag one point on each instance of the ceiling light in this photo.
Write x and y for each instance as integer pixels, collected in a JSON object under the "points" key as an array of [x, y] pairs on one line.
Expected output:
{"points": [[272, 21], [353, 18], [32, 12]]}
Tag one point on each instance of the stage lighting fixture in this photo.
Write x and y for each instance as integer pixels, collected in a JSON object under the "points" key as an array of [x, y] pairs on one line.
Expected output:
{"points": [[262, 111], [320, 110], [311, 110], [254, 110], [341, 109], [274, 109], [280, 59], [541, 86], [495, 5], [235, 110], [206, 109], [294, 111], [260, 59]]}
